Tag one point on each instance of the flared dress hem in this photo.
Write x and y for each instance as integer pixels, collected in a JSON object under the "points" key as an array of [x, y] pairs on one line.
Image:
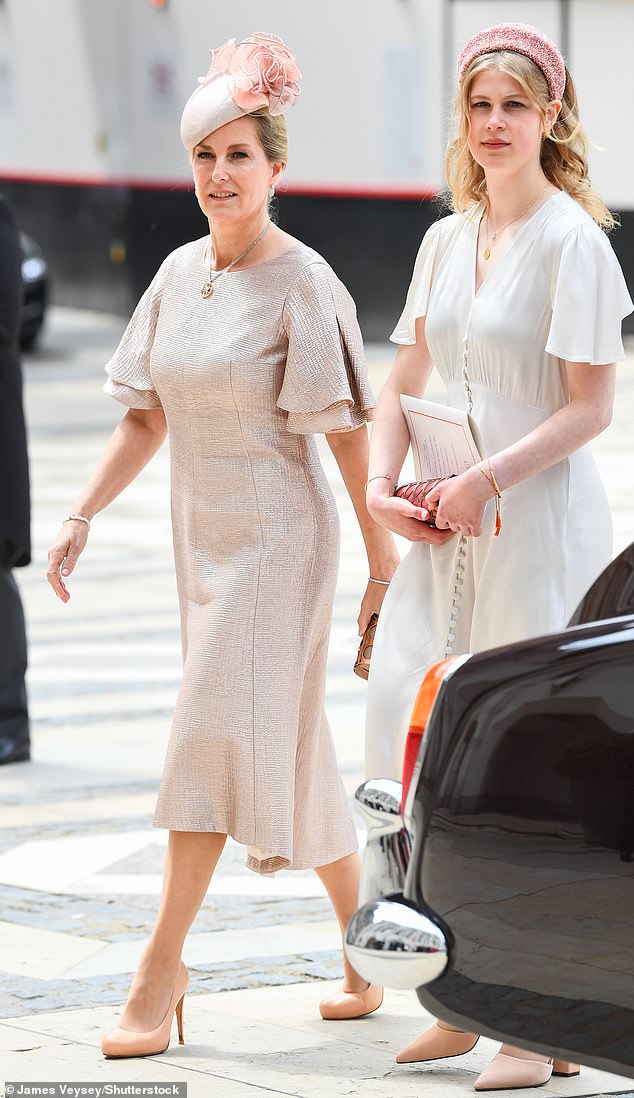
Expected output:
{"points": [[273, 863]]}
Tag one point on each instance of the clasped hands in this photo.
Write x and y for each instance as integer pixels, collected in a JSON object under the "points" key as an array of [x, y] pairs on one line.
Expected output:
{"points": [[456, 506]]}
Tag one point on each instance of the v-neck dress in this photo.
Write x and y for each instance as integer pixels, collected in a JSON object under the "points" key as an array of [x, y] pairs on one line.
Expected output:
{"points": [[245, 378], [557, 293]]}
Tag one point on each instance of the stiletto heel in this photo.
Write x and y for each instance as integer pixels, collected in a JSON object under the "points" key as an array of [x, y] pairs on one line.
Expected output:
{"points": [[179, 1020], [566, 1068], [126, 1042]]}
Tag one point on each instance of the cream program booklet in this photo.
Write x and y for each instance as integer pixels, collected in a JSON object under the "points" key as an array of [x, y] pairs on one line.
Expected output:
{"points": [[444, 440]]}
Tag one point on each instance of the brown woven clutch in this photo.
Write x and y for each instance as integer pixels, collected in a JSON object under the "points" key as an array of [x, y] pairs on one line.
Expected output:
{"points": [[362, 664]]}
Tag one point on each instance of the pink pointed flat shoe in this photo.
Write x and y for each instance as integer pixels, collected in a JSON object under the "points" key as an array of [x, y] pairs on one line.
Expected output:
{"points": [[126, 1042], [514, 1071], [437, 1043], [351, 1004]]}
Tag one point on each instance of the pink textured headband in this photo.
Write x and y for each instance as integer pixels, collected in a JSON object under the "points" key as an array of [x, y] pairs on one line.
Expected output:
{"points": [[519, 38]]}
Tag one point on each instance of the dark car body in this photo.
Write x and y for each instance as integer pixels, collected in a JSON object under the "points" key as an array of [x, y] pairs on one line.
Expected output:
{"points": [[34, 291], [521, 811]]}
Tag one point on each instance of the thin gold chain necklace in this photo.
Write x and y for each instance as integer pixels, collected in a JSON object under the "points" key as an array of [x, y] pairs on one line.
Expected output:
{"points": [[496, 232], [207, 288]]}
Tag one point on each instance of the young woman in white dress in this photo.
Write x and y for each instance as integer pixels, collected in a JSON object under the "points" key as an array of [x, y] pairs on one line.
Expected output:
{"points": [[517, 300]]}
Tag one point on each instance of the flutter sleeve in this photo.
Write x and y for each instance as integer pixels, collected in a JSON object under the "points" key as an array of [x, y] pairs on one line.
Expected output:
{"points": [[129, 378], [590, 299], [325, 386], [419, 288]]}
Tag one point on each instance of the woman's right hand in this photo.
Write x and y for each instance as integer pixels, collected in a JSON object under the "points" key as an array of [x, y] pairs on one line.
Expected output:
{"points": [[64, 554], [402, 517]]}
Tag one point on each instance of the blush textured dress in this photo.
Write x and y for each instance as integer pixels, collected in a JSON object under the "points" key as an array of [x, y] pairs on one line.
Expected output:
{"points": [[245, 378], [556, 293]]}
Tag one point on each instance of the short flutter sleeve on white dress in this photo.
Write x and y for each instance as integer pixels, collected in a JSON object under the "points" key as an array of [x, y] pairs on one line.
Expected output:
{"points": [[325, 387], [420, 286], [590, 299], [129, 379]]}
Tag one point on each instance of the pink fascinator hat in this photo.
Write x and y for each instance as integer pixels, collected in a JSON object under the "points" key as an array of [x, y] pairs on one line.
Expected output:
{"points": [[243, 77], [519, 38]]}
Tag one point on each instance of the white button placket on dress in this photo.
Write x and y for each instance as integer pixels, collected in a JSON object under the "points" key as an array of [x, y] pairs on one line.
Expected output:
{"points": [[462, 545]]}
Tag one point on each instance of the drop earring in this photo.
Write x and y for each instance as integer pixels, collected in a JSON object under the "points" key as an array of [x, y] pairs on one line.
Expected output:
{"points": [[271, 191]]}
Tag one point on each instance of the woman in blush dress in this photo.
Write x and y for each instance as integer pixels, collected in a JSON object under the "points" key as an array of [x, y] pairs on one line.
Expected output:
{"points": [[517, 300], [243, 346]]}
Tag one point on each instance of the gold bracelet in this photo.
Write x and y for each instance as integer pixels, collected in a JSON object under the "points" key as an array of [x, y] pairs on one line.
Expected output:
{"points": [[379, 476], [490, 477]]}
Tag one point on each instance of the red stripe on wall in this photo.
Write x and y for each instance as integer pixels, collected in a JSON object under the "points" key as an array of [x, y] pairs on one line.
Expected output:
{"points": [[403, 192]]}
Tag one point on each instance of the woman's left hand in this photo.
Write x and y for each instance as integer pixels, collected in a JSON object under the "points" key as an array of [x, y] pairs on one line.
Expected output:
{"points": [[461, 501], [371, 604]]}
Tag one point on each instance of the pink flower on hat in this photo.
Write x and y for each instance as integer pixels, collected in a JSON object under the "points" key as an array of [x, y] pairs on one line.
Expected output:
{"points": [[264, 72], [221, 59]]}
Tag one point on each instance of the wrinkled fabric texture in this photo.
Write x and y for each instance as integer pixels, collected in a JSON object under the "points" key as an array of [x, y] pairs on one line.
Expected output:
{"points": [[245, 378], [556, 294], [15, 537]]}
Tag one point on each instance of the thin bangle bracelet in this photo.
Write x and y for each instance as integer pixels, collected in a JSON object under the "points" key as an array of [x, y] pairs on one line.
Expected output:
{"points": [[490, 476], [379, 476], [78, 518], [385, 583]]}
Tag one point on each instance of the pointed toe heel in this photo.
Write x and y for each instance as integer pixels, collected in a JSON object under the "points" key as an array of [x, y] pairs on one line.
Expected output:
{"points": [[437, 1043], [123, 1043], [512, 1071], [351, 1004]]}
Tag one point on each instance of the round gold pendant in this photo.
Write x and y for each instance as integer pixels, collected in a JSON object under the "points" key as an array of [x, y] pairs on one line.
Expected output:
{"points": [[485, 255], [208, 289]]}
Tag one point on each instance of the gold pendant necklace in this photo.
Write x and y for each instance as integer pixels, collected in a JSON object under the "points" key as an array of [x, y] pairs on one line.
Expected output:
{"points": [[207, 288], [496, 232]]}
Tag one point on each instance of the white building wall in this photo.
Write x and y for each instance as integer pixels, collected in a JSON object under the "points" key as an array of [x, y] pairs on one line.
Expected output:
{"points": [[94, 88], [602, 47], [347, 126]]}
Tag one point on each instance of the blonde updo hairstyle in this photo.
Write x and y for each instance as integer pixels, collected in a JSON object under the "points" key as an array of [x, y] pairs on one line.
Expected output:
{"points": [[272, 135], [564, 152]]}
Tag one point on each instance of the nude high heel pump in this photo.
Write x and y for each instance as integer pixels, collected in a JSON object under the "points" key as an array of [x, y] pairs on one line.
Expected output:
{"points": [[125, 1042], [351, 1004], [513, 1069], [437, 1043]]}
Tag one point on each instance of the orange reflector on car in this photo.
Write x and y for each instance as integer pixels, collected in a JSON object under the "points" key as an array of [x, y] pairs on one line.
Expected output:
{"points": [[420, 715]]}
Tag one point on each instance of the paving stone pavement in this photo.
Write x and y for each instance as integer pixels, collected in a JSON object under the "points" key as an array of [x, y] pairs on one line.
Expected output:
{"points": [[80, 865]]}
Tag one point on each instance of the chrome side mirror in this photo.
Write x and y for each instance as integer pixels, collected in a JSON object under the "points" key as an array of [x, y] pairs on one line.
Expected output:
{"points": [[390, 943], [389, 845]]}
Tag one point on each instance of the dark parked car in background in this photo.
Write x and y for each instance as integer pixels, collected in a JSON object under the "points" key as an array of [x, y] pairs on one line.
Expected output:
{"points": [[35, 291], [499, 881]]}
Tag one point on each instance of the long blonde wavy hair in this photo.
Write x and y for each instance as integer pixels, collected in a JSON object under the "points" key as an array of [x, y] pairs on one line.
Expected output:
{"points": [[564, 152]]}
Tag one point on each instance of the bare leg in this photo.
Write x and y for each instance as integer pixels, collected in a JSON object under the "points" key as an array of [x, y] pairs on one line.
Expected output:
{"points": [[341, 881], [190, 861]]}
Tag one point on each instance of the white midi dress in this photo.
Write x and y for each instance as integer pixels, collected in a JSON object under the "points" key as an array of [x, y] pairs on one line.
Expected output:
{"points": [[557, 293], [245, 378]]}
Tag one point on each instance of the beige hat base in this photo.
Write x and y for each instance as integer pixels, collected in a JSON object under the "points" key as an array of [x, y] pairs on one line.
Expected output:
{"points": [[208, 108]]}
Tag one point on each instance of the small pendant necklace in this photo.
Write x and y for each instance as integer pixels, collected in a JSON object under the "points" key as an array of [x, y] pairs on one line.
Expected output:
{"points": [[207, 288], [496, 232]]}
